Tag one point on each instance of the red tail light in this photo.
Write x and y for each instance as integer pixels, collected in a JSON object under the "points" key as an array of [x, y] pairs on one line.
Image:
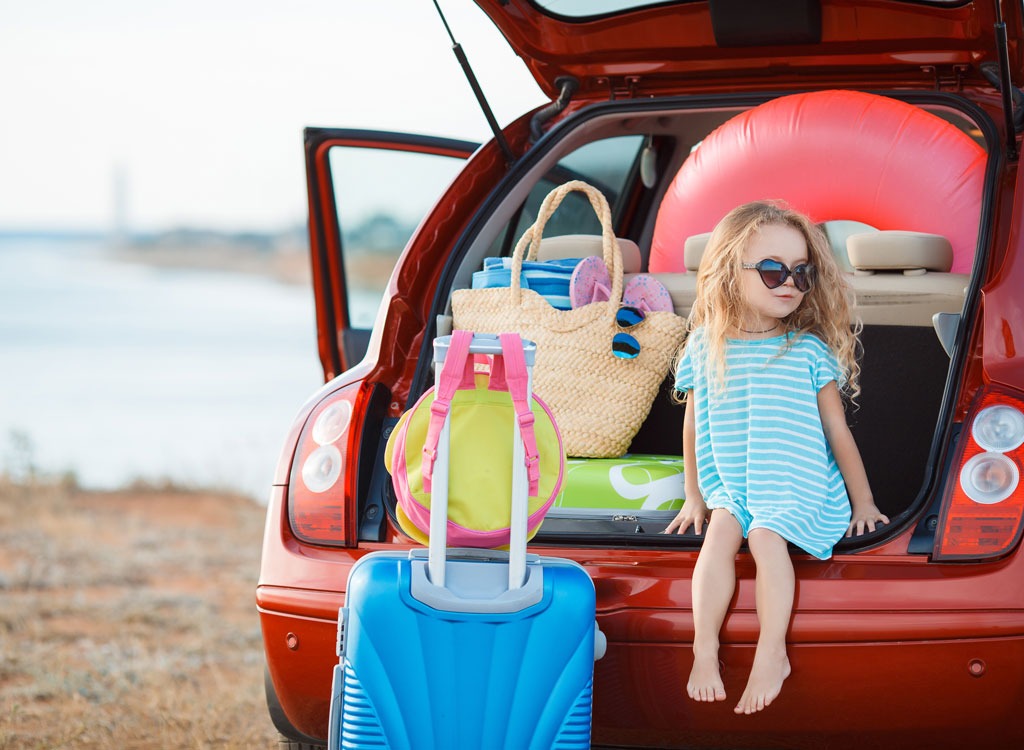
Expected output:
{"points": [[322, 487], [983, 510]]}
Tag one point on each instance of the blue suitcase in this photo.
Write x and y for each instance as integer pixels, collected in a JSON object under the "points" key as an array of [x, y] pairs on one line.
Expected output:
{"points": [[449, 649]]}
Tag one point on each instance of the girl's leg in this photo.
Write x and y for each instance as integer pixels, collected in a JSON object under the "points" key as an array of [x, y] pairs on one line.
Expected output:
{"points": [[714, 580], [774, 591]]}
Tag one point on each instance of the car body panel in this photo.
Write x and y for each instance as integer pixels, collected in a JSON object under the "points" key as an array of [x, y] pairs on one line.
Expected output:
{"points": [[661, 49], [1003, 307], [886, 632]]}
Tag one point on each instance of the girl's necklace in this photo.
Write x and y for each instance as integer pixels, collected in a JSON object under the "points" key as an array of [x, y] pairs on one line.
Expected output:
{"points": [[766, 330]]}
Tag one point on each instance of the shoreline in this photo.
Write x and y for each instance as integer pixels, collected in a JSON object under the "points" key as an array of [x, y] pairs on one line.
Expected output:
{"points": [[288, 265]]}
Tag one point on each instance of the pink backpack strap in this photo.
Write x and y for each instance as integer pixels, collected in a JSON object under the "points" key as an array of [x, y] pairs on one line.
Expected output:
{"points": [[497, 378], [517, 377], [474, 363], [456, 362]]}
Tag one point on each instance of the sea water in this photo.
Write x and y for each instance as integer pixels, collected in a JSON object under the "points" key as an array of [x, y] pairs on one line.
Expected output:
{"points": [[119, 372]]}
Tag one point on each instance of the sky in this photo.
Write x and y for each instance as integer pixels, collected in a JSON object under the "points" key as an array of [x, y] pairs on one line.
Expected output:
{"points": [[197, 106]]}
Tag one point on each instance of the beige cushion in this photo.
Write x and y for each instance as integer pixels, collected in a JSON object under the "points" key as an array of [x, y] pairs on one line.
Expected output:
{"points": [[912, 253], [682, 288], [880, 299], [895, 299], [693, 250], [838, 232], [583, 245]]}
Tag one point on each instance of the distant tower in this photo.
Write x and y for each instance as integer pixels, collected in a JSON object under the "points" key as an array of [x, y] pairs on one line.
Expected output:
{"points": [[120, 231]]}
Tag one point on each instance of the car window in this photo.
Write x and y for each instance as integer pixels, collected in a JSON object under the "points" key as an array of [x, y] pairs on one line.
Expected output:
{"points": [[606, 164], [381, 196], [588, 8]]}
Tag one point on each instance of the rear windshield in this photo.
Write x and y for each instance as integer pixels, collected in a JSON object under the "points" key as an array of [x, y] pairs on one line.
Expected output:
{"points": [[582, 9], [593, 8]]}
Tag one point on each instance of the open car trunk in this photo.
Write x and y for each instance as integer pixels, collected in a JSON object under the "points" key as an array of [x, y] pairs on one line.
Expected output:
{"points": [[858, 163]]}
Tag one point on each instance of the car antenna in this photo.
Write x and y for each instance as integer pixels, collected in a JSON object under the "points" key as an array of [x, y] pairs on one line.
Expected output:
{"points": [[460, 55]]}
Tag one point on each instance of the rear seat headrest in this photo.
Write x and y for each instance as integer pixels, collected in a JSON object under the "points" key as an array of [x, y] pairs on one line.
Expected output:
{"points": [[693, 250], [836, 231], [893, 250], [583, 245]]}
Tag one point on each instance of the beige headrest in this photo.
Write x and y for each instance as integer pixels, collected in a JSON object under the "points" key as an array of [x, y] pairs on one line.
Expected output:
{"points": [[838, 231], [693, 250], [583, 245], [912, 253]]}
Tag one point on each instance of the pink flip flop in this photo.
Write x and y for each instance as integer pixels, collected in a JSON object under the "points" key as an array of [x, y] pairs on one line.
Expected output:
{"points": [[647, 293], [590, 282]]}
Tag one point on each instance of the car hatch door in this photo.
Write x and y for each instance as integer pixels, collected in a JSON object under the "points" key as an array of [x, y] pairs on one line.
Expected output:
{"points": [[368, 190]]}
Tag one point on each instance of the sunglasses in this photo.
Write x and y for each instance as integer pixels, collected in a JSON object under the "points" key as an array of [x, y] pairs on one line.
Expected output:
{"points": [[625, 345], [774, 273]]}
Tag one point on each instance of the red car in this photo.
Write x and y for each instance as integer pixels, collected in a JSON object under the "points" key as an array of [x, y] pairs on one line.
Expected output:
{"points": [[895, 121]]}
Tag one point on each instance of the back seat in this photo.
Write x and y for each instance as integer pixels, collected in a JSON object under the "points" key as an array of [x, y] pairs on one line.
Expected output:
{"points": [[898, 278]]}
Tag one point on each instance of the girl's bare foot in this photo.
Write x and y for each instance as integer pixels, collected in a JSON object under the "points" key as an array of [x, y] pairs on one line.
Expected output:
{"points": [[705, 683], [765, 682]]}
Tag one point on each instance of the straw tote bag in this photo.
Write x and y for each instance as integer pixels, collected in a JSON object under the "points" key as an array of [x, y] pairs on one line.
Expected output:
{"points": [[598, 399]]}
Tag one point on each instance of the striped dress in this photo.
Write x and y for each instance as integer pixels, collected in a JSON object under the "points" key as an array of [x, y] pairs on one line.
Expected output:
{"points": [[761, 451]]}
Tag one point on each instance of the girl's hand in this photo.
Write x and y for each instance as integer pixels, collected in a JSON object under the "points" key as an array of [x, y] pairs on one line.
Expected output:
{"points": [[693, 513], [865, 519]]}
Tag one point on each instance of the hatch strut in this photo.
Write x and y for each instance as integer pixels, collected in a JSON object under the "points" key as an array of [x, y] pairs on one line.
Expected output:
{"points": [[460, 55], [1006, 85]]}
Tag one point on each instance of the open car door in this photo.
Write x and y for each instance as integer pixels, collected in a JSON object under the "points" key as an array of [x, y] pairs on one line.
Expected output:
{"points": [[368, 190]]}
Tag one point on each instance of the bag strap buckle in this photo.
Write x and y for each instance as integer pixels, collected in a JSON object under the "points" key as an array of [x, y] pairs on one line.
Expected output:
{"points": [[429, 459]]}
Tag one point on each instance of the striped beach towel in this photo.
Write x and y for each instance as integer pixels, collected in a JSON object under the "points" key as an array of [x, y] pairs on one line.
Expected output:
{"points": [[549, 278]]}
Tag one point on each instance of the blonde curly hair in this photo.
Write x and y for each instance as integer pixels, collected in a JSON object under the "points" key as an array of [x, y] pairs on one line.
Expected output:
{"points": [[824, 311]]}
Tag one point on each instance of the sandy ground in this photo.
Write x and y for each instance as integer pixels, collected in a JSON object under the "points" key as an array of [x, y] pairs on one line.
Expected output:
{"points": [[128, 620]]}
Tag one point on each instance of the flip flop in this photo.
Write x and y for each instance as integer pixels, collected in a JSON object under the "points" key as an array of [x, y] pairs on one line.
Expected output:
{"points": [[590, 282], [647, 293]]}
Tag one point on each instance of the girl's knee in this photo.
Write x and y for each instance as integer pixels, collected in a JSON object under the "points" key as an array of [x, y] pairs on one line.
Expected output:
{"points": [[724, 535], [767, 540], [727, 523]]}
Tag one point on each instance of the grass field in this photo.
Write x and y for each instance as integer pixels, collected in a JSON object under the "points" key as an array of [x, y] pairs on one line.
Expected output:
{"points": [[128, 619]]}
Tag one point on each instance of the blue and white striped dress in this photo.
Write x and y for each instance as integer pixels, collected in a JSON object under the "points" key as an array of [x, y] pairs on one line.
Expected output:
{"points": [[761, 450]]}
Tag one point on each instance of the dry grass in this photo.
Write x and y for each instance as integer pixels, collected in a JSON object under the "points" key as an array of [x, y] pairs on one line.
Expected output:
{"points": [[128, 620]]}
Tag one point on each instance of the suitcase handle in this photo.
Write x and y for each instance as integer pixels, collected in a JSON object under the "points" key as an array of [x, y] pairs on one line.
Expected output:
{"points": [[518, 357]]}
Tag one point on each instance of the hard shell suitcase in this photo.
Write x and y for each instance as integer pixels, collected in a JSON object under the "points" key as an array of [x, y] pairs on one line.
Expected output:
{"points": [[465, 648]]}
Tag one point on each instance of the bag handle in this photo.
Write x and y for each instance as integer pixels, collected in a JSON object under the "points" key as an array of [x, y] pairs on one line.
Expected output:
{"points": [[533, 235]]}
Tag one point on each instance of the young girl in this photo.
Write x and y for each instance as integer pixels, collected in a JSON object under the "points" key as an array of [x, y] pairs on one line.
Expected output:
{"points": [[762, 370]]}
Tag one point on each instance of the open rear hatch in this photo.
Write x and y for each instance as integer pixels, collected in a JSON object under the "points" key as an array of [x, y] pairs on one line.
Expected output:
{"points": [[636, 48]]}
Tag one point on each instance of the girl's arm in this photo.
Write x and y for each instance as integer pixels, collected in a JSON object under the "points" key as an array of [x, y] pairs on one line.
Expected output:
{"points": [[694, 512], [833, 420]]}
